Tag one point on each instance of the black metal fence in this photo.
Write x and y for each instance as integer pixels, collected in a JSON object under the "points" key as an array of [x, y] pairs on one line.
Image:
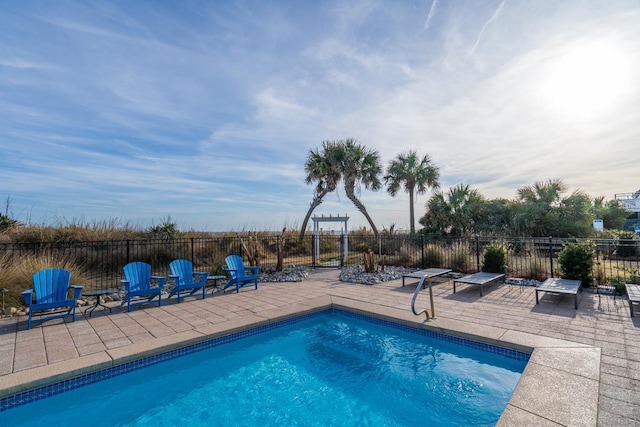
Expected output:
{"points": [[536, 258]]}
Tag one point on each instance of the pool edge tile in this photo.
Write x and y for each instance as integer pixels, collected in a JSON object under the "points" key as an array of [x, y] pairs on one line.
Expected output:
{"points": [[144, 349], [21, 381]]}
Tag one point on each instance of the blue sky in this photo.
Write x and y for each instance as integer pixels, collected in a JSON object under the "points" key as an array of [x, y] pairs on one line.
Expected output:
{"points": [[205, 111]]}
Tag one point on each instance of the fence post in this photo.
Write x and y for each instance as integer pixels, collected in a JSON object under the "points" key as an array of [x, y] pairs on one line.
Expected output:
{"points": [[477, 253], [313, 250], [551, 254], [192, 251], [422, 251], [127, 250]]}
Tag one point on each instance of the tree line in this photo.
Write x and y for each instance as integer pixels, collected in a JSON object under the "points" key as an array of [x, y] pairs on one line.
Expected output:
{"points": [[541, 209]]}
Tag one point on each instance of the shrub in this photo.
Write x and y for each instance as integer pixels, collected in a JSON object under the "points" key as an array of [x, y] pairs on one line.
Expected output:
{"points": [[576, 262], [494, 260], [7, 222], [618, 283]]}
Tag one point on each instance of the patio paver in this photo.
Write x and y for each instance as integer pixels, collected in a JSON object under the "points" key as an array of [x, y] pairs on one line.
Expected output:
{"points": [[597, 337]]}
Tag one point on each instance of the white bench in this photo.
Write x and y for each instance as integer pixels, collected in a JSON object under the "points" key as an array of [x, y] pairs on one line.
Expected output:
{"points": [[633, 294]]}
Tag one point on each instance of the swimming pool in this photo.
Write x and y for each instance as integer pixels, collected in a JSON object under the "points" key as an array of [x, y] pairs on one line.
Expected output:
{"points": [[327, 368]]}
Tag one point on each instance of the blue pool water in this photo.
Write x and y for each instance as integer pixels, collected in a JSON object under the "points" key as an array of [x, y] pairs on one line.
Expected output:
{"points": [[330, 369]]}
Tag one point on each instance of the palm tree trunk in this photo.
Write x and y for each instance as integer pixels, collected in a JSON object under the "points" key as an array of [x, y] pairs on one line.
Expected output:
{"points": [[412, 218], [350, 190], [317, 200]]}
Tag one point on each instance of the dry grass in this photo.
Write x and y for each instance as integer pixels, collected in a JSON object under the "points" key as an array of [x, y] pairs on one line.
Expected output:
{"points": [[460, 257], [73, 231], [434, 256]]}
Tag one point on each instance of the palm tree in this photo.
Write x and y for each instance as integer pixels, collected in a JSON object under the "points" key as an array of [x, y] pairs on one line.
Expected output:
{"points": [[322, 167], [466, 205], [360, 166], [414, 175], [540, 203], [347, 160], [545, 193], [454, 214]]}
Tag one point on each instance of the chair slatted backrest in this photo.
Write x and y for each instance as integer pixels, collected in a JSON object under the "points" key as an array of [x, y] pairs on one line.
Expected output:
{"points": [[51, 285], [182, 268], [138, 274], [235, 265]]}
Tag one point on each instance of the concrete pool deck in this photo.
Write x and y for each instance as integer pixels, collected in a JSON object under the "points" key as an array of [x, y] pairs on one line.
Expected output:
{"points": [[584, 369]]}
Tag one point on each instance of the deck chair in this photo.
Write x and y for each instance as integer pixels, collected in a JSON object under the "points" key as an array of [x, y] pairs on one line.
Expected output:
{"points": [[479, 279], [240, 275], [187, 280], [49, 298], [140, 285]]}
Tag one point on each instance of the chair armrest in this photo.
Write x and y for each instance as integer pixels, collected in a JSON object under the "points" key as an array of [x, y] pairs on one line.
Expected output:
{"points": [[254, 269], [126, 284], [160, 279], [202, 275], [77, 291], [28, 296]]}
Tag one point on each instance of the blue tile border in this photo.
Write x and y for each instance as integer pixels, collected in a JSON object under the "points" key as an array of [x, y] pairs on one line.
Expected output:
{"points": [[43, 392]]}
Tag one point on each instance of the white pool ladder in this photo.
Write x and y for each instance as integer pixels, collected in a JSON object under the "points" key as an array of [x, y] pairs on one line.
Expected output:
{"points": [[415, 295]]}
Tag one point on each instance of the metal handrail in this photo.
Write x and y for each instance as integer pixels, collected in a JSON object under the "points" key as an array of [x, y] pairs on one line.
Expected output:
{"points": [[415, 295]]}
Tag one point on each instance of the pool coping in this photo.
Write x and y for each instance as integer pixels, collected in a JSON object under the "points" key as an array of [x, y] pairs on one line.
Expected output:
{"points": [[558, 386]]}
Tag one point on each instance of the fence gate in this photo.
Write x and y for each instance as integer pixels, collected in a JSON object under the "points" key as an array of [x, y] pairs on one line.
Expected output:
{"points": [[340, 242]]}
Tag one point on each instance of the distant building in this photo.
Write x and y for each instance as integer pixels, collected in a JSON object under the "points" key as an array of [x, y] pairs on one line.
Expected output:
{"points": [[632, 202]]}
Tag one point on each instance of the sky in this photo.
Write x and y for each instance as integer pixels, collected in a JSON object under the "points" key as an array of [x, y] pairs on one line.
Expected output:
{"points": [[204, 112]]}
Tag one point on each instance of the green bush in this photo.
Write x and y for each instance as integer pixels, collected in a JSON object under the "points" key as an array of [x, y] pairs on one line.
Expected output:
{"points": [[618, 283], [7, 222], [576, 262], [494, 260]]}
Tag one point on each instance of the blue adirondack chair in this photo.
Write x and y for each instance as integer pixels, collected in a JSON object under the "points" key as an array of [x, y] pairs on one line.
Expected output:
{"points": [[49, 298], [187, 280], [140, 285], [240, 275]]}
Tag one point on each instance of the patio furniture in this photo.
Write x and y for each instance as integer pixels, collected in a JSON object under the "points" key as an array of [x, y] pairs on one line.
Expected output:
{"points": [[240, 275], [49, 298], [633, 294], [187, 280], [428, 273], [140, 285], [215, 286], [478, 279], [560, 286], [97, 293]]}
